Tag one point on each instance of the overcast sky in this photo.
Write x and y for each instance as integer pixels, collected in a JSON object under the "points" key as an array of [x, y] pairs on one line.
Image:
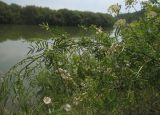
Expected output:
{"points": [[82, 5]]}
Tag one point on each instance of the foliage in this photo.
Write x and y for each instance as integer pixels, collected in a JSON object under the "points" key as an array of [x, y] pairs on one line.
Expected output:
{"points": [[130, 17], [97, 74], [14, 14]]}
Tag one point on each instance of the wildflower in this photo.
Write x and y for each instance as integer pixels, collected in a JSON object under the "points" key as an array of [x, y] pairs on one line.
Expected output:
{"points": [[99, 30], [151, 14], [47, 100], [115, 8], [66, 77], [64, 74], [67, 107], [61, 70], [120, 23]]}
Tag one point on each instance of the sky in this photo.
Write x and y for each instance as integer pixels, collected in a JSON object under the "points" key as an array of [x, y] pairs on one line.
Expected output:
{"points": [[82, 5]]}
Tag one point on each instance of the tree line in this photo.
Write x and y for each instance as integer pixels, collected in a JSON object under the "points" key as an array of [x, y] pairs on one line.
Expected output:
{"points": [[130, 17], [33, 15]]}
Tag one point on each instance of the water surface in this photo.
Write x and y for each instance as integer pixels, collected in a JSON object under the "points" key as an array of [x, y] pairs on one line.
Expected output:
{"points": [[15, 39]]}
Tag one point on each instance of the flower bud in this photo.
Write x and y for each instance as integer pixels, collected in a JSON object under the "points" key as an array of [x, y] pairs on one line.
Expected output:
{"points": [[47, 100]]}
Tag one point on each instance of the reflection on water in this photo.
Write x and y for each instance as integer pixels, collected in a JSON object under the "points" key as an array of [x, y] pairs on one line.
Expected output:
{"points": [[11, 52], [14, 45], [14, 40], [16, 32], [28, 32]]}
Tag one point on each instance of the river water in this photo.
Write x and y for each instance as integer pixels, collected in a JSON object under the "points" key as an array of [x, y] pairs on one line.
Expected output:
{"points": [[15, 40]]}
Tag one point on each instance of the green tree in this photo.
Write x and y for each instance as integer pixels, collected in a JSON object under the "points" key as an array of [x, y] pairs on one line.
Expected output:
{"points": [[14, 14]]}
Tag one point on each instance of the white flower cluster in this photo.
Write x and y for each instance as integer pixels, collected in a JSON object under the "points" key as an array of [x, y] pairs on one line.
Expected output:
{"points": [[66, 107], [99, 30], [64, 74], [120, 23], [114, 8]]}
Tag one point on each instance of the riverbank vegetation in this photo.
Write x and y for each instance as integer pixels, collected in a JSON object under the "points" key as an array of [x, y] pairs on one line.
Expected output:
{"points": [[93, 75], [130, 17]]}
